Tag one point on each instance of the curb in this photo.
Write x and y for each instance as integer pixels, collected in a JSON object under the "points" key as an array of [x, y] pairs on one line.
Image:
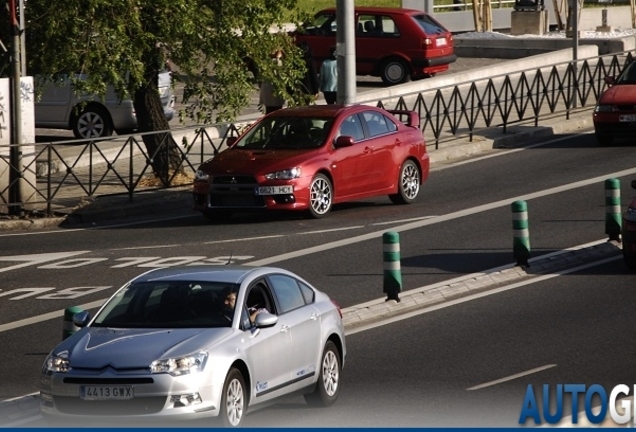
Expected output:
{"points": [[435, 294]]}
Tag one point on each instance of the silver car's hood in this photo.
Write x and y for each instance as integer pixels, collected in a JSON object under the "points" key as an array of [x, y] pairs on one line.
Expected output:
{"points": [[137, 348]]}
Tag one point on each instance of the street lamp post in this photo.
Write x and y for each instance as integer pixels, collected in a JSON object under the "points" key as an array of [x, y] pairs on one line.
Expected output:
{"points": [[15, 151], [346, 52]]}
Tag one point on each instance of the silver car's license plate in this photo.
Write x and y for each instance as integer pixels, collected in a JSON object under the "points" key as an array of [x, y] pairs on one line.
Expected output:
{"points": [[106, 392], [274, 190]]}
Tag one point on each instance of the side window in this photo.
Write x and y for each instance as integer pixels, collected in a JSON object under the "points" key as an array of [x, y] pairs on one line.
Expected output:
{"points": [[376, 123], [390, 125], [322, 25], [366, 26], [308, 294], [287, 292], [352, 127], [388, 26]]}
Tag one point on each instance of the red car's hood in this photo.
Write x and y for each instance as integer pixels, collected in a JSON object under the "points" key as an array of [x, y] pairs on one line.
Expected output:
{"points": [[619, 95], [254, 162]]}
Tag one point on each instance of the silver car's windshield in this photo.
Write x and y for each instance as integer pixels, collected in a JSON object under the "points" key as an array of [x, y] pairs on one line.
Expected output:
{"points": [[170, 304], [287, 133]]}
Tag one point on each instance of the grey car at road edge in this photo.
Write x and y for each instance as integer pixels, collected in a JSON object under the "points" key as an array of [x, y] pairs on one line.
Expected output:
{"points": [[90, 116], [162, 348]]}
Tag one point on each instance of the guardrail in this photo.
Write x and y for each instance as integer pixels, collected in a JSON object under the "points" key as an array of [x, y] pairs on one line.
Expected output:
{"points": [[123, 166]]}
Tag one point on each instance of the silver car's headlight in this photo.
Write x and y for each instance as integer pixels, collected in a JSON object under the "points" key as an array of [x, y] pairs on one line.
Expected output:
{"points": [[181, 365], [630, 214], [201, 175], [603, 108], [287, 174], [57, 363]]}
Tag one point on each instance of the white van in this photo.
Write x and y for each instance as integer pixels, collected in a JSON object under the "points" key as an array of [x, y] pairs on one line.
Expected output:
{"points": [[56, 109]]}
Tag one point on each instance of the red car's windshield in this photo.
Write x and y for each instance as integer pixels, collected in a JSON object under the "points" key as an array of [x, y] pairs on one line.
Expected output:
{"points": [[287, 132]]}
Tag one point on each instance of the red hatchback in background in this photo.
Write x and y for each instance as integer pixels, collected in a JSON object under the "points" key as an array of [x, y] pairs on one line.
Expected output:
{"points": [[310, 158], [392, 43], [615, 112]]}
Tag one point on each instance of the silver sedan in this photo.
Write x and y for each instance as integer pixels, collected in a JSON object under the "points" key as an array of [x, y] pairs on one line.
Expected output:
{"points": [[197, 342]]}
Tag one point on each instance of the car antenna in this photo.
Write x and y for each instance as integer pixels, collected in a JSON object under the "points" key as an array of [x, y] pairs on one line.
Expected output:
{"points": [[229, 260]]}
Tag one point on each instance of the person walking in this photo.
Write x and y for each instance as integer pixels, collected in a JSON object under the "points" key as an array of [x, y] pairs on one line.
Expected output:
{"points": [[267, 96], [329, 77], [309, 84]]}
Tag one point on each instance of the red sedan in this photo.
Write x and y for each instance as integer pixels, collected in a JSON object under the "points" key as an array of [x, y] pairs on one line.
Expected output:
{"points": [[310, 158], [615, 112]]}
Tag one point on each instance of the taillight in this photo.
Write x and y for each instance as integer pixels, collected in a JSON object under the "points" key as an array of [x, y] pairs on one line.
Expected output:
{"points": [[426, 42], [337, 307]]}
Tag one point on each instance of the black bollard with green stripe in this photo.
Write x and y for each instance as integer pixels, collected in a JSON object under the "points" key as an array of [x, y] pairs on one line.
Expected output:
{"points": [[68, 327], [392, 271], [613, 219], [521, 233]]}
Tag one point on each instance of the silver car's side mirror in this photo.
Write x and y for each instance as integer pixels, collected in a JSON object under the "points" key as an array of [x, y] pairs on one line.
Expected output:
{"points": [[81, 319], [265, 319]]}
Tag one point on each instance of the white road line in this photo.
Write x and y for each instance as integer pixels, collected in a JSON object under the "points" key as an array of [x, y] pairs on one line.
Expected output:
{"points": [[331, 230], [438, 219], [147, 247], [46, 316], [402, 221], [244, 239], [511, 377], [477, 296]]}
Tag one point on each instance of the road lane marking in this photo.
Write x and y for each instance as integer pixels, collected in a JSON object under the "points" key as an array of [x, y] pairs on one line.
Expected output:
{"points": [[511, 377], [244, 239], [47, 316], [402, 220], [443, 218], [331, 230], [35, 259], [147, 247]]}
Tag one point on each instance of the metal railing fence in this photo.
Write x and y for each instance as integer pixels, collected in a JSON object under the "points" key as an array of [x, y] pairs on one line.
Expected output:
{"points": [[122, 165]]}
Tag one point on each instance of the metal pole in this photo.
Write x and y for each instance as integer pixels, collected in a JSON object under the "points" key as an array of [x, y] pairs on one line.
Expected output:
{"points": [[346, 52], [575, 47], [23, 64], [15, 152]]}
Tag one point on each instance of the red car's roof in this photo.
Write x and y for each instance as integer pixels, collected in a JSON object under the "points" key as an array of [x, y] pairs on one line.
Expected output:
{"points": [[377, 9], [318, 110]]}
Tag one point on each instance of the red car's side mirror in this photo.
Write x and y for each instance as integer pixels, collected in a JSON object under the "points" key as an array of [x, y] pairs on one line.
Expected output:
{"points": [[343, 141], [231, 141], [610, 80], [633, 184]]}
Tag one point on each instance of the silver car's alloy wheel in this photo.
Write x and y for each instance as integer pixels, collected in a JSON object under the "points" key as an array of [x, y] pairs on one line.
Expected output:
{"points": [[320, 196], [330, 373], [93, 122], [410, 181], [234, 402]]}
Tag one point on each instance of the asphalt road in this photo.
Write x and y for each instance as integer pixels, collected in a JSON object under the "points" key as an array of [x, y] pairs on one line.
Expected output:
{"points": [[460, 224]]}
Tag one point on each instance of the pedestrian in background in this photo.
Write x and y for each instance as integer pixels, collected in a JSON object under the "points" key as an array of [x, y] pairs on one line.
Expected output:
{"points": [[267, 96], [329, 77], [309, 84]]}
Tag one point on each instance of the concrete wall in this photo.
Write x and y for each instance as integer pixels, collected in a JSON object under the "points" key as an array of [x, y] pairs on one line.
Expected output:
{"points": [[462, 21]]}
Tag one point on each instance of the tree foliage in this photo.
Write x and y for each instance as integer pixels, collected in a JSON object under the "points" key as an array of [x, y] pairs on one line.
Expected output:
{"points": [[125, 43]]}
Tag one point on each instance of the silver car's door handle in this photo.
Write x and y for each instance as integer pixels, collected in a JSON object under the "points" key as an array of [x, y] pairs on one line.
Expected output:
{"points": [[284, 328]]}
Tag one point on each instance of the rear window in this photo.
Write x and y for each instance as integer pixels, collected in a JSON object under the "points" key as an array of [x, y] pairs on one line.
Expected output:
{"points": [[428, 24]]}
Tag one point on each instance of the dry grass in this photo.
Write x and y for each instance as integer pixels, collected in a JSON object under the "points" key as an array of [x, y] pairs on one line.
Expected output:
{"points": [[180, 179]]}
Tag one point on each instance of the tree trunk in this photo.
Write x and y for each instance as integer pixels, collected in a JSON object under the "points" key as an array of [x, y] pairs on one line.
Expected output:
{"points": [[162, 149]]}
